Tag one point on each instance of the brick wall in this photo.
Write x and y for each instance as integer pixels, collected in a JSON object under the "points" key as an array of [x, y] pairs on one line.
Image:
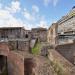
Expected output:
{"points": [[40, 33], [19, 45], [15, 64], [15, 60], [23, 45], [52, 34], [59, 60], [67, 50], [4, 50]]}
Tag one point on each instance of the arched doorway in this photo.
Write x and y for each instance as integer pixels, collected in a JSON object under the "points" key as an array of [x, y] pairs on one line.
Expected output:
{"points": [[3, 65], [29, 65], [26, 36]]}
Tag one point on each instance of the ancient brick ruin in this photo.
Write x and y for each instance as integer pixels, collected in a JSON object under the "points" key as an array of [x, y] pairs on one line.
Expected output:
{"points": [[57, 46]]}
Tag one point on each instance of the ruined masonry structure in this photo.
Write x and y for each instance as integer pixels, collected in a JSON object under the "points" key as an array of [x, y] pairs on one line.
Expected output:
{"points": [[17, 37], [64, 30], [61, 35], [40, 34]]}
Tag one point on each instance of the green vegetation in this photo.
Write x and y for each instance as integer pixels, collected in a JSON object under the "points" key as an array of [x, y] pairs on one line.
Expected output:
{"points": [[36, 48], [58, 68]]}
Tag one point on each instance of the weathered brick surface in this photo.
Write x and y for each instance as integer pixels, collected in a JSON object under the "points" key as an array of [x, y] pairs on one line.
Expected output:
{"points": [[19, 45], [4, 50], [43, 67], [39, 33], [23, 45], [56, 57], [12, 45], [67, 50], [22, 63], [52, 34], [15, 64], [15, 61]]}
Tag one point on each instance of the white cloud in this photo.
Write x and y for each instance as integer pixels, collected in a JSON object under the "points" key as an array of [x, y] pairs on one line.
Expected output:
{"points": [[6, 17], [28, 15], [29, 26], [31, 16], [34, 17], [15, 7], [55, 2], [47, 2], [7, 20], [35, 8], [43, 24]]}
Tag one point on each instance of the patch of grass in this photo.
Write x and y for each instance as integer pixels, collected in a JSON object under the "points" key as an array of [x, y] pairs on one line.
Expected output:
{"points": [[36, 48]]}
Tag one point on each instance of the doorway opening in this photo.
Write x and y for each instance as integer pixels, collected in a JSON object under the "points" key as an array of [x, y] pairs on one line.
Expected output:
{"points": [[29, 65], [3, 65]]}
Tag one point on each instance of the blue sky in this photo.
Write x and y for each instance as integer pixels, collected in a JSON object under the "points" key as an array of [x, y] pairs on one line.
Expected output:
{"points": [[33, 13]]}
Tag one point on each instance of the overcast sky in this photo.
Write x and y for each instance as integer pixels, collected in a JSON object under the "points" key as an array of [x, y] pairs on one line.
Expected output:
{"points": [[33, 13]]}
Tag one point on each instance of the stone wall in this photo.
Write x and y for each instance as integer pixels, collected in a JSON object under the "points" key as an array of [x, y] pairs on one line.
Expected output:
{"points": [[15, 60], [15, 64], [29, 65], [67, 50], [19, 45], [43, 66], [4, 50], [42, 36], [12, 32], [39, 33], [60, 63], [52, 34], [66, 25], [23, 45]]}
